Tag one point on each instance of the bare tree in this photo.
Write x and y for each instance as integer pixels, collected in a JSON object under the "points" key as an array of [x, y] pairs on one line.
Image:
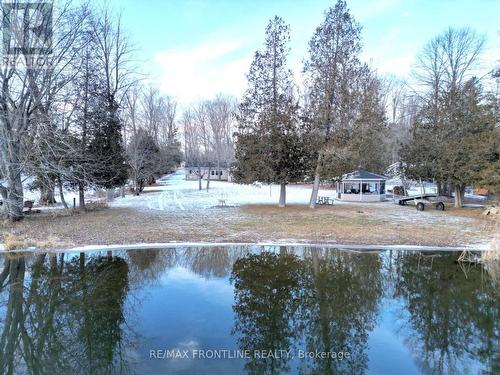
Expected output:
{"points": [[221, 114], [29, 88], [208, 128], [444, 71]]}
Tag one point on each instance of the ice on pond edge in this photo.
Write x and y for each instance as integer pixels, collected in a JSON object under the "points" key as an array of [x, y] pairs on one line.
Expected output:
{"points": [[163, 245]]}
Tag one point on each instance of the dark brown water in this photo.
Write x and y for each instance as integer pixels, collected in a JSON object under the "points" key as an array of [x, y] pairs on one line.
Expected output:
{"points": [[247, 310]]}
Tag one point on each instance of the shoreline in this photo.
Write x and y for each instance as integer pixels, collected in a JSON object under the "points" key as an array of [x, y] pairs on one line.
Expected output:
{"points": [[166, 245]]}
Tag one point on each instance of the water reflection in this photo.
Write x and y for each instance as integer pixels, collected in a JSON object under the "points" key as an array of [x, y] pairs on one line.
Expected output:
{"points": [[341, 291], [267, 300], [92, 313], [452, 318], [62, 317]]}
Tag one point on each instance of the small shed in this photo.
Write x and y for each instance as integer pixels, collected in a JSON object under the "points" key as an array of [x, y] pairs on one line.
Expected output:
{"points": [[361, 186]]}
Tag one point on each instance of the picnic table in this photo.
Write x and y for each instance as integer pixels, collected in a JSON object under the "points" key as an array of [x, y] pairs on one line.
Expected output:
{"points": [[325, 200]]}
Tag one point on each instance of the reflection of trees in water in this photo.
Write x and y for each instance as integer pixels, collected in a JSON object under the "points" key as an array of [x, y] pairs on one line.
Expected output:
{"points": [[452, 317], [266, 305], [148, 265], [340, 293], [208, 262], [327, 300], [63, 317]]}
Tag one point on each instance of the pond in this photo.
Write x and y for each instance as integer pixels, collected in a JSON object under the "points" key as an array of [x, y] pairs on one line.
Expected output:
{"points": [[247, 310]]}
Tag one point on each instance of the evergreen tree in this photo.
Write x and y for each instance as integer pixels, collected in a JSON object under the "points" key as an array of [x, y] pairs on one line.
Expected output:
{"points": [[144, 159], [461, 148], [332, 71], [269, 147], [453, 137], [106, 147]]}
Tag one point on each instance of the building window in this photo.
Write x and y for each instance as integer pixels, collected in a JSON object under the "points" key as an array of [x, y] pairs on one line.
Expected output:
{"points": [[370, 188], [213, 173], [351, 188], [220, 173]]}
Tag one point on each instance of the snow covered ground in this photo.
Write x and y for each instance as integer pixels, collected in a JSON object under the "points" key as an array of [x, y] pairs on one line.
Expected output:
{"points": [[178, 194], [174, 193]]}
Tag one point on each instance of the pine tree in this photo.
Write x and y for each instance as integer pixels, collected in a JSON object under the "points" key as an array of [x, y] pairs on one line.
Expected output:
{"points": [[106, 147], [144, 159], [332, 69], [269, 146]]}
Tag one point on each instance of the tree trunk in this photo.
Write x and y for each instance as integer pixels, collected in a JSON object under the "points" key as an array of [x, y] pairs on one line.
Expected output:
{"points": [[81, 195], [443, 189], [282, 202], [47, 196], [199, 178], [208, 178], [110, 194], [439, 190], [422, 187], [61, 193], [14, 197], [447, 189], [315, 189], [459, 194]]}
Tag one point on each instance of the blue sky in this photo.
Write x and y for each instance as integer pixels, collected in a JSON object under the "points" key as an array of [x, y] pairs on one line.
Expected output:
{"points": [[194, 49]]}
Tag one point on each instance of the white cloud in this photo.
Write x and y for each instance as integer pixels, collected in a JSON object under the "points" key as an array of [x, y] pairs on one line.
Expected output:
{"points": [[203, 70], [399, 65]]}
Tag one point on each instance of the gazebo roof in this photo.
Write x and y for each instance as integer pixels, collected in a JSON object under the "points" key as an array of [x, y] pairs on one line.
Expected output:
{"points": [[361, 174]]}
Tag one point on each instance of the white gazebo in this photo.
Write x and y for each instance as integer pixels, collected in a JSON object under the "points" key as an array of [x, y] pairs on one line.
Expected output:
{"points": [[361, 186]]}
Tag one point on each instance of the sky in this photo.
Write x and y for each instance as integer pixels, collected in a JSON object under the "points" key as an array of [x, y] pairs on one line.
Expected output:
{"points": [[194, 49]]}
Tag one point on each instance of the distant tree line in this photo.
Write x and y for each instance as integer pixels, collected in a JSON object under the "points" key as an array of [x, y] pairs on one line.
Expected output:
{"points": [[82, 119], [208, 128], [346, 117]]}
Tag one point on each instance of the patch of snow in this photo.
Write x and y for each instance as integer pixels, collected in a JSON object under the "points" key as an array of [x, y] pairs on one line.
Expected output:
{"points": [[176, 193]]}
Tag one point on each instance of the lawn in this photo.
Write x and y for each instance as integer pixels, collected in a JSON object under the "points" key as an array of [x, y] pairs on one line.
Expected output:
{"points": [[350, 224]]}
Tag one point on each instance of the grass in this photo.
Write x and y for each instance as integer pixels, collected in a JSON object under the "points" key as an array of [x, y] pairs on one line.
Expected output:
{"points": [[13, 242], [491, 262], [368, 224]]}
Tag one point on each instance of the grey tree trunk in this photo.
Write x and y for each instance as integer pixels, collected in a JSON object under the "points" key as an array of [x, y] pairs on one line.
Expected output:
{"points": [[199, 178], [459, 195], [315, 189], [47, 196], [61, 193], [81, 195], [14, 197], [208, 178], [282, 202]]}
